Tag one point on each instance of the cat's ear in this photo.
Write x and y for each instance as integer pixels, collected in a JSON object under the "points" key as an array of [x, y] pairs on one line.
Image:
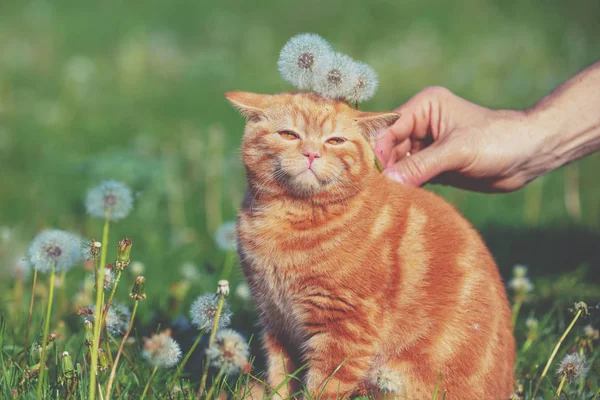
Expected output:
{"points": [[250, 105], [371, 122]]}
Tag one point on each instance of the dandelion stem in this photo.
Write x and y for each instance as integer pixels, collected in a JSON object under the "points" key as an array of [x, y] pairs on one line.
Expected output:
{"points": [[45, 336], [62, 300], [113, 371], [211, 340], [148, 383], [597, 394], [515, 311], [30, 313], [560, 387], [185, 360], [98, 310], [112, 295], [215, 383], [228, 265], [562, 338]]}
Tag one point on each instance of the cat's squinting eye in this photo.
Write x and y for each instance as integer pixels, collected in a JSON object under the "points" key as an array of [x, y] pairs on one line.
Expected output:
{"points": [[288, 135], [335, 140]]}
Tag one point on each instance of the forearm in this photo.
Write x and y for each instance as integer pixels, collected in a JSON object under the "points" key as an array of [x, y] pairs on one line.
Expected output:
{"points": [[568, 119]]}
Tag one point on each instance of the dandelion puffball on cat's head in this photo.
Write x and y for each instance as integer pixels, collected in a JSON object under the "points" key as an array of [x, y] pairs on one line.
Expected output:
{"points": [[307, 61]]}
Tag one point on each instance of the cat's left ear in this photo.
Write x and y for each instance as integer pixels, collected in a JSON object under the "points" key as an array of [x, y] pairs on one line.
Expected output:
{"points": [[371, 122], [250, 105]]}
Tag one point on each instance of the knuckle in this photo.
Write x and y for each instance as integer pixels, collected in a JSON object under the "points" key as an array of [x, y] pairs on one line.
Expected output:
{"points": [[436, 91]]}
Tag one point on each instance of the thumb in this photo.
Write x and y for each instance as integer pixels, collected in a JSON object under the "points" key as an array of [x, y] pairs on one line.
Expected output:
{"points": [[421, 167]]}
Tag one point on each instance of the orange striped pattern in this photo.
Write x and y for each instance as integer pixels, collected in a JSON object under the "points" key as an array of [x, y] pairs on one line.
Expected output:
{"points": [[348, 268]]}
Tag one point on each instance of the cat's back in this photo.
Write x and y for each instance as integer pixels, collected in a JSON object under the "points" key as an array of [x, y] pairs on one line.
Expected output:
{"points": [[458, 317]]}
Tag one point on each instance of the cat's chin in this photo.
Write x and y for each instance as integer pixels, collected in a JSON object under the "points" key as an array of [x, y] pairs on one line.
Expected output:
{"points": [[305, 184]]}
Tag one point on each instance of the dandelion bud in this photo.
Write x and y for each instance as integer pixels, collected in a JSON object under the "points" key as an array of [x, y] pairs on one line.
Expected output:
{"points": [[68, 371], [88, 338], [51, 337], [138, 293], [103, 363], [573, 368], [123, 252], [531, 323], [519, 271], [223, 288], [591, 333]]}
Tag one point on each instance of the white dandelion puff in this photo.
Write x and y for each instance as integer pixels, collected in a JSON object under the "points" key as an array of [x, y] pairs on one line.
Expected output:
{"points": [[519, 271], [117, 319], [204, 310], [520, 285], [364, 83], [242, 291], [229, 352], [112, 198], [54, 249], [161, 350], [389, 381], [190, 272], [301, 57], [531, 323], [573, 367], [335, 80], [20, 268], [137, 268], [109, 279], [226, 236]]}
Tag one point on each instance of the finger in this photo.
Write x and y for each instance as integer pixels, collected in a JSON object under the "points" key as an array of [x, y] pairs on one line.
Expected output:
{"points": [[423, 166], [384, 144], [400, 151]]}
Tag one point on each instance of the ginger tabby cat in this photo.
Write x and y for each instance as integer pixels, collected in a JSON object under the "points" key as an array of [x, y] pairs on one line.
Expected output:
{"points": [[374, 286]]}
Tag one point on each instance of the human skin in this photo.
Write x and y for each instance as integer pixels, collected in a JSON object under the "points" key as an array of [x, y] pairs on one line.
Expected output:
{"points": [[443, 138]]}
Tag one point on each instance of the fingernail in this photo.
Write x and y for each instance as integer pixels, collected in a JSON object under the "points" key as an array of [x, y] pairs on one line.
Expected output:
{"points": [[394, 175]]}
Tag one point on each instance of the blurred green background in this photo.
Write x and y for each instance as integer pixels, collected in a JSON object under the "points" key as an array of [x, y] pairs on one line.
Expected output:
{"points": [[134, 90]]}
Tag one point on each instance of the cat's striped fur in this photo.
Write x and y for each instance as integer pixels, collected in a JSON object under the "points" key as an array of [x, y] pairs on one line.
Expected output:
{"points": [[354, 274]]}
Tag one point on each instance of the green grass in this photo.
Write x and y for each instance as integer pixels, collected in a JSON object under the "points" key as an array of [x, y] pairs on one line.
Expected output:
{"points": [[132, 91]]}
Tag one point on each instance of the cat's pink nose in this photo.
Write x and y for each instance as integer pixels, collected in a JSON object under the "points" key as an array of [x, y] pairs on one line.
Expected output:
{"points": [[311, 156]]}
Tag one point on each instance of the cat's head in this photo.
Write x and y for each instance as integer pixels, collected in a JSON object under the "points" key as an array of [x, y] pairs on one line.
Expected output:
{"points": [[304, 145]]}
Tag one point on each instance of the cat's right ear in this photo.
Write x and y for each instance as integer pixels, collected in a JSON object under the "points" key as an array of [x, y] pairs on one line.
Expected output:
{"points": [[250, 105]]}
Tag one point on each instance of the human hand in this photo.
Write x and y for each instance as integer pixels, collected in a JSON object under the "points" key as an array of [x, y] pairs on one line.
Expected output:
{"points": [[458, 143]]}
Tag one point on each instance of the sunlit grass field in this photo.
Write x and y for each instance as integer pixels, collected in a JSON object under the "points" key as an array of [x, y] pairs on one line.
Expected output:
{"points": [[134, 91]]}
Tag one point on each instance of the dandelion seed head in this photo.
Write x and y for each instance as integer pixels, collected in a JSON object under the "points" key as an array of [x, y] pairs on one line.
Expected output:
{"points": [[189, 272], [109, 278], [519, 271], [389, 381], [573, 367], [161, 350], [531, 323], [112, 197], [520, 285], [204, 310], [117, 319], [20, 267], [335, 81], [54, 248], [364, 83], [229, 352], [242, 291], [226, 236], [301, 56]]}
